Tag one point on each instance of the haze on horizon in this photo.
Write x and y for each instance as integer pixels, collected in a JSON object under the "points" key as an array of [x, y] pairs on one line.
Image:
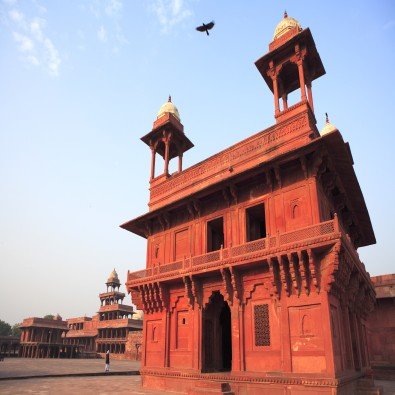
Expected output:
{"points": [[82, 81]]}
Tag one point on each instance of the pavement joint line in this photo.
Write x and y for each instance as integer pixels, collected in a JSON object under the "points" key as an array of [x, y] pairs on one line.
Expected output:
{"points": [[60, 375]]}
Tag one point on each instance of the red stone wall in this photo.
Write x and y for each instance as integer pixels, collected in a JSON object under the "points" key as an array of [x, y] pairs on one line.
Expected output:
{"points": [[381, 323], [131, 351], [292, 207]]}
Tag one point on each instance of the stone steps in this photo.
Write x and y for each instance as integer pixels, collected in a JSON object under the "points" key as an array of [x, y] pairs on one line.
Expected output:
{"points": [[211, 387], [366, 386]]}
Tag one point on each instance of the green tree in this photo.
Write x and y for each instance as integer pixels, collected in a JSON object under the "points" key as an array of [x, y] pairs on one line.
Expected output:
{"points": [[5, 328], [49, 317], [15, 330]]}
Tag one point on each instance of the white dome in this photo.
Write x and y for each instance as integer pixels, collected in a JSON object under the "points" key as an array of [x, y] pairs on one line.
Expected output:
{"points": [[168, 107], [285, 25], [328, 127]]}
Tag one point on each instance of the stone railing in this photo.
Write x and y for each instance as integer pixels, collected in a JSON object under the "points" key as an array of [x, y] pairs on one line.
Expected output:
{"points": [[260, 245]]}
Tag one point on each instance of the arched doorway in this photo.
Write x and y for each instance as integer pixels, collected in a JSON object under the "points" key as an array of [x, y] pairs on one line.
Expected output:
{"points": [[217, 336]]}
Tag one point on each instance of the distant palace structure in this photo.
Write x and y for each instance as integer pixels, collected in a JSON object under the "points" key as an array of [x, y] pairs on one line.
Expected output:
{"points": [[113, 329], [253, 283]]}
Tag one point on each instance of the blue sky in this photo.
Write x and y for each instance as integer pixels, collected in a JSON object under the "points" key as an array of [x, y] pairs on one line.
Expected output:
{"points": [[82, 81]]}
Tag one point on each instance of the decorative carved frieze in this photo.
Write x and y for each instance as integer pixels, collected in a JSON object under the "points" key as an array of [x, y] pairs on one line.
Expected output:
{"points": [[260, 145]]}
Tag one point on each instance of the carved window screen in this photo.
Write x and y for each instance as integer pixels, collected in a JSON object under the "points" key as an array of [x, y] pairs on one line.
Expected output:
{"points": [[261, 325]]}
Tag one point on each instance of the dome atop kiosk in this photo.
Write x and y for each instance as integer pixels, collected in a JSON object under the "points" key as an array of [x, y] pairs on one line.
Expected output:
{"points": [[168, 107], [328, 128], [285, 25], [113, 278]]}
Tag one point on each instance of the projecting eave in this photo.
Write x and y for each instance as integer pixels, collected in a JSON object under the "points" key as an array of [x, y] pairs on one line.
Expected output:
{"points": [[342, 160]]}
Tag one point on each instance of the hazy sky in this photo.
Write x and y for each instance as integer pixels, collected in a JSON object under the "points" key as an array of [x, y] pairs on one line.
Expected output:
{"points": [[82, 81]]}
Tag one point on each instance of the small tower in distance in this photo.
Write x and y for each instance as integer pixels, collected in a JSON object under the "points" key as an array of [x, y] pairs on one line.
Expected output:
{"points": [[167, 139], [291, 63]]}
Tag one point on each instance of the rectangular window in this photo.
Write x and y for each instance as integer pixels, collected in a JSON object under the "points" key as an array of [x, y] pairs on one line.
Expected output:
{"points": [[215, 234], [261, 325], [255, 222]]}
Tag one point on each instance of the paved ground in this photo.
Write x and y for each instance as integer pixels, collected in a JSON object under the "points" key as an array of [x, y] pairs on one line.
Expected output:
{"points": [[19, 367], [99, 385]]}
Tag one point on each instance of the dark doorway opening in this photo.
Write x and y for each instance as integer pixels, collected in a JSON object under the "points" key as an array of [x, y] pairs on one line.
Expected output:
{"points": [[256, 223], [215, 234], [217, 335]]}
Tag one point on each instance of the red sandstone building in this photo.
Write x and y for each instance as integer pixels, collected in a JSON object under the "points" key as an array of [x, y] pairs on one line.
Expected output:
{"points": [[382, 328], [43, 338], [113, 328], [82, 336], [252, 282], [117, 331]]}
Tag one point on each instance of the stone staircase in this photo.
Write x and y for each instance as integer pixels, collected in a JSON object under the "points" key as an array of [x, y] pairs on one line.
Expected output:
{"points": [[366, 386], [211, 388]]}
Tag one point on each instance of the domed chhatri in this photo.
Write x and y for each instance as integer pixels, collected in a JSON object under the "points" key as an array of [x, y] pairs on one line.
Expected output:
{"points": [[286, 25], [168, 107], [113, 278], [328, 128]]}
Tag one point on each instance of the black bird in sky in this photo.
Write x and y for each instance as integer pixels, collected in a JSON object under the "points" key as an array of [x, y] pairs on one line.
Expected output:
{"points": [[206, 28]]}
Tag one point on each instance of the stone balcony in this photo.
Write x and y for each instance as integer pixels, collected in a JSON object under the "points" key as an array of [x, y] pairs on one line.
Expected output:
{"points": [[311, 236]]}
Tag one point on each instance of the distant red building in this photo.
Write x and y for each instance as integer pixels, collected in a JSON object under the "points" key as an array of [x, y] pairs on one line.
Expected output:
{"points": [[113, 328], [82, 335], [117, 331], [252, 282], [43, 338]]}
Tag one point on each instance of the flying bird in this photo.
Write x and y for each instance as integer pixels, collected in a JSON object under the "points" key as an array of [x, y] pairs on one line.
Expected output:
{"points": [[206, 27]]}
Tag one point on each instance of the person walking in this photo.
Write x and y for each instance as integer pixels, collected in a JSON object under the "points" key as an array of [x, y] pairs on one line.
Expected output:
{"points": [[107, 368]]}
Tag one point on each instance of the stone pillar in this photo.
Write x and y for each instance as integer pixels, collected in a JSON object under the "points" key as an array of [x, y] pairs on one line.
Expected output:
{"points": [[285, 101], [301, 79], [275, 93], [166, 361], [167, 149], [180, 163], [236, 312], [310, 95]]}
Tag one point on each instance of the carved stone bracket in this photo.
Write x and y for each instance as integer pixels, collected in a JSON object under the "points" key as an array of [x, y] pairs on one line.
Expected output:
{"points": [[315, 274], [233, 192], [227, 285], [151, 297], [303, 164], [303, 272], [188, 291], [269, 180], [284, 274], [197, 207], [277, 173], [274, 274], [236, 285], [191, 210]]}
